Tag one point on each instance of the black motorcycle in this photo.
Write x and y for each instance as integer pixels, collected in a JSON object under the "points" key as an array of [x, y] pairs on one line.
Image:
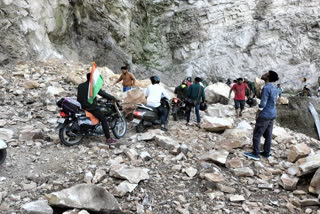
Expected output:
{"points": [[146, 117], [74, 125], [179, 109]]}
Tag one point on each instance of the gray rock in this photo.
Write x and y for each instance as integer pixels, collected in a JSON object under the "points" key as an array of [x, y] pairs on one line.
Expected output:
{"points": [[145, 156], [84, 196], [6, 134], [133, 175], [244, 172], [219, 157], [36, 207], [166, 142], [123, 188]]}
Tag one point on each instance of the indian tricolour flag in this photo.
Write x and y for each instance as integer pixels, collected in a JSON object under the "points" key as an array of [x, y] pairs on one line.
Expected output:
{"points": [[95, 83]]}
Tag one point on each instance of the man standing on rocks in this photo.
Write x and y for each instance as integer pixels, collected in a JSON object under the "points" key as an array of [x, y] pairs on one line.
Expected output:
{"points": [[195, 93], [240, 96], [127, 78], [265, 116]]}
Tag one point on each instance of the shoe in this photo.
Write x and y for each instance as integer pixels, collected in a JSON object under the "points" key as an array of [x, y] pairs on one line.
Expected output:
{"points": [[110, 141], [199, 125], [265, 154], [251, 155], [188, 124], [164, 129]]}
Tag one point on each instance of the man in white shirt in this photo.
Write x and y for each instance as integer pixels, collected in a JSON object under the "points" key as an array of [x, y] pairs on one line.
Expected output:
{"points": [[154, 93]]}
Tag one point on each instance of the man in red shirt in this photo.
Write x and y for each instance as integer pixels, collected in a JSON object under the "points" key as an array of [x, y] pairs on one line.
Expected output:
{"points": [[240, 95]]}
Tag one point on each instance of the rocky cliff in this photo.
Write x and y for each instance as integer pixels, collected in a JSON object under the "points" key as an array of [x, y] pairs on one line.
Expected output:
{"points": [[218, 39]]}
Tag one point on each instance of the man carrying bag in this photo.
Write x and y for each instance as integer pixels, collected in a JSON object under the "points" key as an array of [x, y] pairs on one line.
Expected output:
{"points": [[194, 95]]}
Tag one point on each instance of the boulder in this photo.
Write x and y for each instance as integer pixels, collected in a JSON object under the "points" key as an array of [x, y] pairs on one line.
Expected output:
{"points": [[214, 177], [149, 135], [237, 198], [217, 93], [219, 110], [84, 196], [289, 183], [133, 175], [235, 133], [298, 151], [166, 143], [36, 207], [315, 183], [309, 164], [244, 125], [259, 83], [30, 84], [134, 97], [244, 172], [54, 91], [234, 163], [219, 156], [283, 101], [214, 124], [123, 188], [6, 134], [279, 132]]}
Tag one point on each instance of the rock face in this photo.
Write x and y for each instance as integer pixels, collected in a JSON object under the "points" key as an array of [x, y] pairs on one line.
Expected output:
{"points": [[84, 196], [218, 39]]}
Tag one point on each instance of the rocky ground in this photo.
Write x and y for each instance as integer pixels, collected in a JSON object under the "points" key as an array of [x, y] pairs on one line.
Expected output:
{"points": [[185, 170]]}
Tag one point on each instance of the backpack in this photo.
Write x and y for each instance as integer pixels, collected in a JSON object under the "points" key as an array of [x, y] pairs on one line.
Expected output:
{"points": [[69, 105]]}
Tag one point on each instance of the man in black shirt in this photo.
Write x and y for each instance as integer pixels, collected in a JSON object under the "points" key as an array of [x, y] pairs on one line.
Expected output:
{"points": [[93, 108]]}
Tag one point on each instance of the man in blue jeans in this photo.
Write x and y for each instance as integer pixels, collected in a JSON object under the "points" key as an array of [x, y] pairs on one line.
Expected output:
{"points": [[265, 116], [195, 93]]}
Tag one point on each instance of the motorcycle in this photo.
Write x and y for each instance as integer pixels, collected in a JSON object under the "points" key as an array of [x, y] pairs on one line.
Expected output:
{"points": [[179, 109], [3, 151], [75, 126], [145, 116]]}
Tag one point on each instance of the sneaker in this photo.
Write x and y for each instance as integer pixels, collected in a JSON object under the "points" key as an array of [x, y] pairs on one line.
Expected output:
{"points": [[265, 154], [110, 141], [251, 155], [188, 124], [164, 129]]}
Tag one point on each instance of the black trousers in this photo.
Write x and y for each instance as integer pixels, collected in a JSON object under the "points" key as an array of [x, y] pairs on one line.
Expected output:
{"points": [[98, 114]]}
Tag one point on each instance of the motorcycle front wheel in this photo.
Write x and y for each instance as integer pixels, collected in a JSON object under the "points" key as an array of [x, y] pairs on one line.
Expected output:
{"points": [[119, 127], [67, 137], [3, 155]]}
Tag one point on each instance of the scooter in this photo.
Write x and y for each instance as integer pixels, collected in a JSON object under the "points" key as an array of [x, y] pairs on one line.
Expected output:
{"points": [[146, 117], [3, 151]]}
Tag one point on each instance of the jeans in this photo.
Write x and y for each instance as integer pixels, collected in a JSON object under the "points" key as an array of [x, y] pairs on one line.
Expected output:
{"points": [[263, 128], [126, 88], [197, 110], [163, 112], [105, 126]]}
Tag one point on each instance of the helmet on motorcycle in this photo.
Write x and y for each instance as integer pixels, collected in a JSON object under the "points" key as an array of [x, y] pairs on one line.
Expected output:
{"points": [[155, 80], [189, 79]]}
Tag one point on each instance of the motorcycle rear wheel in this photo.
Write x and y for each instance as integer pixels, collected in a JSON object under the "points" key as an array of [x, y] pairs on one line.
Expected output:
{"points": [[67, 137], [119, 128], [3, 155]]}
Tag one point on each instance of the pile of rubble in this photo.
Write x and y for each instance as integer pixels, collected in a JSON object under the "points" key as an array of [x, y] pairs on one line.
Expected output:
{"points": [[185, 170]]}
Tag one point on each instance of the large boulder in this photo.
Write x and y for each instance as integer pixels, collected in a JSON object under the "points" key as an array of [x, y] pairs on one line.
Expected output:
{"points": [[36, 207], [309, 164], [219, 110], [134, 97], [283, 101], [315, 183], [259, 83], [217, 93], [298, 151], [215, 124], [84, 196], [288, 182]]}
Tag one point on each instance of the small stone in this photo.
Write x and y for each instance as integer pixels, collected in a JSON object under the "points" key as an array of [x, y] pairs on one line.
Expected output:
{"points": [[214, 177], [308, 211], [234, 163], [244, 172], [99, 176], [226, 189], [219, 156], [191, 172], [237, 198], [123, 188], [145, 156], [289, 183], [30, 84], [88, 177]]}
